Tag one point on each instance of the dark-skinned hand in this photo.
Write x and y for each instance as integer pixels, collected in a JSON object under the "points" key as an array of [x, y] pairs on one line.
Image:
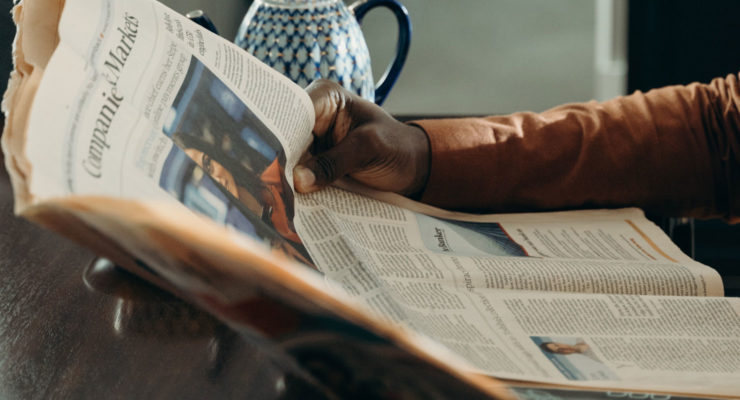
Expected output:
{"points": [[356, 138]]}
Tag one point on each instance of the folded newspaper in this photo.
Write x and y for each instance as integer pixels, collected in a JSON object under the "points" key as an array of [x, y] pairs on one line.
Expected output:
{"points": [[169, 150]]}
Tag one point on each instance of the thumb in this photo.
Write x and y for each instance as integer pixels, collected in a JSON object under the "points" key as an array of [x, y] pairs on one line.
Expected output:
{"points": [[322, 169]]}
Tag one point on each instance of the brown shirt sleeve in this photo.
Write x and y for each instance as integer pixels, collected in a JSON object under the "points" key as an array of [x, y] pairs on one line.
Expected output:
{"points": [[671, 151]]}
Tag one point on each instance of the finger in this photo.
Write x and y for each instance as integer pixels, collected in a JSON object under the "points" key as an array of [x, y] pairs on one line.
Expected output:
{"points": [[331, 103], [348, 156]]}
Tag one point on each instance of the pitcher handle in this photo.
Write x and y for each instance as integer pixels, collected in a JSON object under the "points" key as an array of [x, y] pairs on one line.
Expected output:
{"points": [[200, 18], [360, 8]]}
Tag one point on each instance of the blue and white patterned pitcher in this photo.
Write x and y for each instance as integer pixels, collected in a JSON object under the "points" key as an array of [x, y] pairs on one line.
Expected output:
{"points": [[311, 39]]}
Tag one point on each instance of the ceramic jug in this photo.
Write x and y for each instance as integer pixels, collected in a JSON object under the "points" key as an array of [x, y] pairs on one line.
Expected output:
{"points": [[311, 39]]}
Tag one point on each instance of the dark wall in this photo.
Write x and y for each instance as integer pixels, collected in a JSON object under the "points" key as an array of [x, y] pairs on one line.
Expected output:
{"points": [[7, 31], [682, 41], [678, 42]]}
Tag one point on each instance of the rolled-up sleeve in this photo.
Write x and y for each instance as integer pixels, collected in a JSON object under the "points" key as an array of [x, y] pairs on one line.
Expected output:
{"points": [[672, 151]]}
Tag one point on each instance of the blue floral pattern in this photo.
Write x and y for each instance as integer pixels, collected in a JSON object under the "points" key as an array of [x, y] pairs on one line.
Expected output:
{"points": [[307, 40]]}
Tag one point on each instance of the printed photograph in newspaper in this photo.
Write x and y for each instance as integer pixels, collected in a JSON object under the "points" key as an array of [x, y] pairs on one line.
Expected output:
{"points": [[574, 358], [228, 149]]}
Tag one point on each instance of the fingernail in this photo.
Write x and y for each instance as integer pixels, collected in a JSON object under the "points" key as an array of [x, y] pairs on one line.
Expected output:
{"points": [[304, 177]]}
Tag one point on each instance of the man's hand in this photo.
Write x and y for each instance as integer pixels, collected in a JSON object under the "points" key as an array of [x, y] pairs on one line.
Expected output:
{"points": [[356, 138]]}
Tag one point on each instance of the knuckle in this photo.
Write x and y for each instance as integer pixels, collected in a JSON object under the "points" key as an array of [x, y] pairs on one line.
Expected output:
{"points": [[326, 169], [323, 82], [322, 87]]}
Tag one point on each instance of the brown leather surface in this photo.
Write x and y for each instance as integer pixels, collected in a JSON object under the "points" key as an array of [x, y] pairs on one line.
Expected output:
{"points": [[72, 326]]}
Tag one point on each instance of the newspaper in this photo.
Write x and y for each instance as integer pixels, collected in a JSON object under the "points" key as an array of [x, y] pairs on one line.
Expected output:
{"points": [[442, 273], [178, 148]]}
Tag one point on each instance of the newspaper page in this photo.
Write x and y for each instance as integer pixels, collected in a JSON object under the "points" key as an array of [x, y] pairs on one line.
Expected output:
{"points": [[446, 274], [352, 237], [668, 343], [642, 322], [146, 104]]}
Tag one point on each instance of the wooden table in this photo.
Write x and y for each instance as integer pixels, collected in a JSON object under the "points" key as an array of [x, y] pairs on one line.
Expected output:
{"points": [[72, 326]]}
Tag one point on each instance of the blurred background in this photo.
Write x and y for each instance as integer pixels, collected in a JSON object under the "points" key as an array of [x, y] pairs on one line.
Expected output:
{"points": [[474, 57]]}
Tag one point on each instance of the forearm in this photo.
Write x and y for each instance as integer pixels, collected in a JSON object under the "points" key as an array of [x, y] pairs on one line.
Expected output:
{"points": [[673, 150]]}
